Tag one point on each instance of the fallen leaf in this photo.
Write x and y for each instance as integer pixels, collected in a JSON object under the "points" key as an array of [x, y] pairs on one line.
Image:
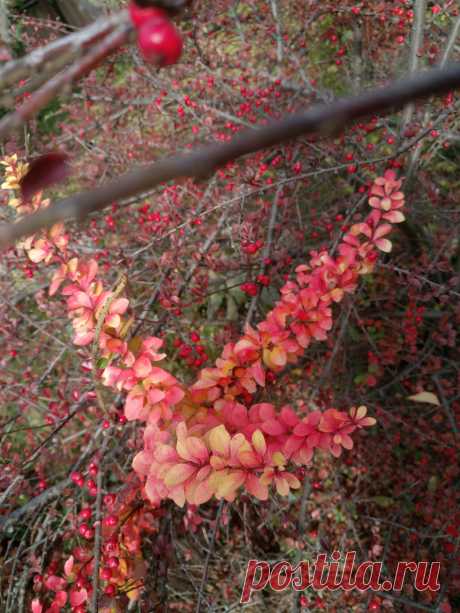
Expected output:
{"points": [[427, 397]]}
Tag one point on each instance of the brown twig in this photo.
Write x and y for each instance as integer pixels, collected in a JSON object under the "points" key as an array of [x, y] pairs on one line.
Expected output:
{"points": [[63, 79]]}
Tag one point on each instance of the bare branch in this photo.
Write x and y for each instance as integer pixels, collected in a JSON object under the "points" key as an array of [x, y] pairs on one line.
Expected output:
{"points": [[324, 120], [451, 42], [416, 43], [63, 79], [74, 43]]}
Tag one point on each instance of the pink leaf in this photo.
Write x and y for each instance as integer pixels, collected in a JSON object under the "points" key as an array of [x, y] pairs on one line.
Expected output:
{"points": [[60, 599], [78, 597], [68, 566], [273, 427], [36, 606], [55, 583], [44, 171]]}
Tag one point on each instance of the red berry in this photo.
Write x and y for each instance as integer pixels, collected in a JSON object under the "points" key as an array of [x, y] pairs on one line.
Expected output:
{"points": [[249, 288], [110, 590], [194, 337], [263, 279], [106, 574], [77, 478], [140, 15], [185, 351], [250, 249], [83, 529], [85, 513], [160, 42], [110, 520], [109, 499]]}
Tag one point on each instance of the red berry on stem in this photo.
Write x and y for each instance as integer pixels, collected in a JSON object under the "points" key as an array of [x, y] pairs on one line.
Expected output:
{"points": [[106, 574], [160, 42], [112, 562], [85, 513], [110, 590]]}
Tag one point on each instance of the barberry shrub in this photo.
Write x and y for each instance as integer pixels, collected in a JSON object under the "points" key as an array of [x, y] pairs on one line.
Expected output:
{"points": [[200, 359]]}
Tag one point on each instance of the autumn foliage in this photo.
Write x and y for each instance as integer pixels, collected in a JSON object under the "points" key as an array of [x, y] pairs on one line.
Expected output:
{"points": [[259, 363]]}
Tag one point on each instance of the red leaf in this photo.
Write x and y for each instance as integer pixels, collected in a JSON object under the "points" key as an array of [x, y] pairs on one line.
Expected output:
{"points": [[44, 171]]}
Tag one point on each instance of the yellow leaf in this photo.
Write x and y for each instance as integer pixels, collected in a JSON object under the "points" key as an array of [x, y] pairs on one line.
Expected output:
{"points": [[427, 397], [258, 442], [278, 459], [219, 440]]}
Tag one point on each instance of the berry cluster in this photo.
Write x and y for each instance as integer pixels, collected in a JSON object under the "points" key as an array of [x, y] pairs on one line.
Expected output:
{"points": [[159, 40], [193, 354]]}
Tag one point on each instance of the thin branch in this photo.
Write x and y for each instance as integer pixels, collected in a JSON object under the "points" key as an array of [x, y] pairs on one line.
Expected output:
{"points": [[208, 556], [38, 60], [265, 253], [451, 42], [279, 40], [4, 31], [98, 532], [426, 120], [325, 120], [63, 80], [416, 43]]}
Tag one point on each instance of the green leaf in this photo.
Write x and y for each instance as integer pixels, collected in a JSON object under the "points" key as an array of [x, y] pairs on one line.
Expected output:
{"points": [[383, 501], [102, 362]]}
